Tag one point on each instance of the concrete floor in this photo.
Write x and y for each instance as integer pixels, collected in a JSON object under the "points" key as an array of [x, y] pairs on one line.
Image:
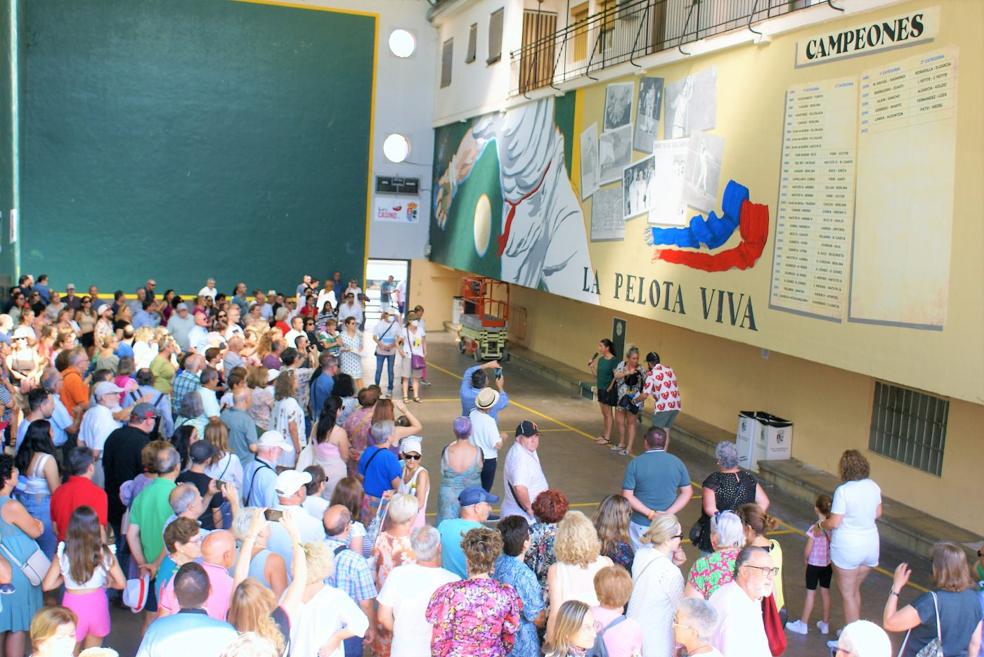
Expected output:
{"points": [[587, 473]]}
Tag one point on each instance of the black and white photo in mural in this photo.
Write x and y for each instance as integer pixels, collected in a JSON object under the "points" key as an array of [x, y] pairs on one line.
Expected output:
{"points": [[691, 104], [618, 105], [647, 113], [638, 187], [614, 153]]}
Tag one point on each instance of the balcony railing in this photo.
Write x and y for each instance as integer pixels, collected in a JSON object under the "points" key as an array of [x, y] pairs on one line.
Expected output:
{"points": [[630, 29]]}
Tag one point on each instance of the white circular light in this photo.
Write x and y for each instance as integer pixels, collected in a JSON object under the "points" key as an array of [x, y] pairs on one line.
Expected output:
{"points": [[402, 43], [396, 147]]}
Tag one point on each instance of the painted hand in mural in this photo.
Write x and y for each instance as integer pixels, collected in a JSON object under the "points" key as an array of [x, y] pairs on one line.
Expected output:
{"points": [[458, 169]]}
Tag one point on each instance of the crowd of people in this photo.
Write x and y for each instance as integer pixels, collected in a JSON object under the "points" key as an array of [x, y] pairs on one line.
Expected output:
{"points": [[222, 467]]}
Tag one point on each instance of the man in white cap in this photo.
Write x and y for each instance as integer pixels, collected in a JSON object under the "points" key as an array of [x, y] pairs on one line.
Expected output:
{"points": [[524, 478], [260, 476], [98, 422], [180, 325], [291, 490], [485, 433]]}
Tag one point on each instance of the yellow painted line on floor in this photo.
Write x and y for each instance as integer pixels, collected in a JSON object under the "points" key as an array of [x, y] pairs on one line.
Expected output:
{"points": [[790, 529]]}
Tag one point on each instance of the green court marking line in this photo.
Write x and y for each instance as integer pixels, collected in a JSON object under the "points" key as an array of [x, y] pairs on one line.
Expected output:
{"points": [[790, 529]]}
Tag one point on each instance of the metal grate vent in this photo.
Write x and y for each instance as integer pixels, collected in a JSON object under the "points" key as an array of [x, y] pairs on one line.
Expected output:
{"points": [[909, 426]]}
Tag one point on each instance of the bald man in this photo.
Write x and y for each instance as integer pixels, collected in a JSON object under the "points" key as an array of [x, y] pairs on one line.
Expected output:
{"points": [[218, 556]]}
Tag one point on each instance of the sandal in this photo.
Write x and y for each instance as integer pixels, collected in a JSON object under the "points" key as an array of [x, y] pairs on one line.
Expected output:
{"points": [[406, 400], [417, 399], [615, 448], [601, 440]]}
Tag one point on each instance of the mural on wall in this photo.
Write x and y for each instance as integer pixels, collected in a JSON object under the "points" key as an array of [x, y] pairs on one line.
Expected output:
{"points": [[670, 217], [504, 205]]}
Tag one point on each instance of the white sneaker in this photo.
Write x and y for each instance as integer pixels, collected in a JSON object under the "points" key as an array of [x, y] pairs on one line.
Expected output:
{"points": [[823, 627], [798, 627]]}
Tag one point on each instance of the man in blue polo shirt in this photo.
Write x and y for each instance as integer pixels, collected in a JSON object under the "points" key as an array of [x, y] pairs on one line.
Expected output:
{"points": [[655, 483], [190, 631], [323, 384], [475, 508], [379, 466], [474, 379]]}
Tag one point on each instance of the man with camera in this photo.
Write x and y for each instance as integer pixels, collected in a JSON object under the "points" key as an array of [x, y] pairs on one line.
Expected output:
{"points": [[477, 377]]}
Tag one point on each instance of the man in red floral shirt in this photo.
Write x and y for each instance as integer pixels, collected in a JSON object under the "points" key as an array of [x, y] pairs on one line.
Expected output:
{"points": [[661, 385]]}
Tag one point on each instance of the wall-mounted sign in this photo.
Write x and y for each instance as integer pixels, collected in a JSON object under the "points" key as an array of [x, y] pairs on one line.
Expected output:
{"points": [[397, 209], [393, 185], [904, 30]]}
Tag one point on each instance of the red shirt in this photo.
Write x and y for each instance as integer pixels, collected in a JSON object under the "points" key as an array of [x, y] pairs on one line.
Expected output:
{"points": [[78, 491]]}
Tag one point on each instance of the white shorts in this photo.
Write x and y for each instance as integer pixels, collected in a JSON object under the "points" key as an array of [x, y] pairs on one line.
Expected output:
{"points": [[851, 551]]}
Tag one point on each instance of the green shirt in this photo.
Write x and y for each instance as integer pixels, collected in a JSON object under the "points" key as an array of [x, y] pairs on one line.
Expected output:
{"points": [[149, 512], [606, 371]]}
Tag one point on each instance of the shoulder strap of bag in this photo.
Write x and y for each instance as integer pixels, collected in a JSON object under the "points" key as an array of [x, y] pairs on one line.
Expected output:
{"points": [[388, 329], [621, 618], [375, 454], [249, 491], [10, 555], [338, 550], [939, 628]]}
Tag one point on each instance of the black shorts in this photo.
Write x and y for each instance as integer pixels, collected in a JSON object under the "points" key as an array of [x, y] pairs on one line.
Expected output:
{"points": [[608, 396], [818, 574]]}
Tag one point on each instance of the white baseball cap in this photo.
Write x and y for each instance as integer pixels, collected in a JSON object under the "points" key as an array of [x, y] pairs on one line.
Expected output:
{"points": [[106, 388], [274, 439], [290, 481]]}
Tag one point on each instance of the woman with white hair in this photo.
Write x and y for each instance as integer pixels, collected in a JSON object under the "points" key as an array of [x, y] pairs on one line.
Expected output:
{"points": [[711, 572], [694, 625], [657, 584], [726, 490], [327, 616], [392, 548], [863, 639]]}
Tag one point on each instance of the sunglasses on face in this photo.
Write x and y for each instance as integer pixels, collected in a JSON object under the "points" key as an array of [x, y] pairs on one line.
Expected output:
{"points": [[411, 457]]}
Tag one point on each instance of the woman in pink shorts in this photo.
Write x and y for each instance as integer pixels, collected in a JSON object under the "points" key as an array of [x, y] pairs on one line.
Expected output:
{"points": [[87, 567]]}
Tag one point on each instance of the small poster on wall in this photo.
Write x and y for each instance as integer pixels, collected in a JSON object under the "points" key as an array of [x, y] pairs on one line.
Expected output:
{"points": [[607, 223], [614, 153], [397, 209], [691, 104], [669, 169], [618, 105], [638, 185], [647, 113], [589, 161]]}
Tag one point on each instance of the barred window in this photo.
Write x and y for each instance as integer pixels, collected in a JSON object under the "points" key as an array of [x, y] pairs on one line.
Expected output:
{"points": [[909, 426]]}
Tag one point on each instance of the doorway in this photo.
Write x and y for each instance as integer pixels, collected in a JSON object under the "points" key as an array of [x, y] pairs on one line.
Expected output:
{"points": [[378, 271]]}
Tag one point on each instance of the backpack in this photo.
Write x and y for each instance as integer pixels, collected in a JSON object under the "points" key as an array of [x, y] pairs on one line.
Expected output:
{"points": [[599, 649]]}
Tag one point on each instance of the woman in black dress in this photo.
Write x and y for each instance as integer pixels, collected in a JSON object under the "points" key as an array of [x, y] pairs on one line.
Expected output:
{"points": [[726, 490]]}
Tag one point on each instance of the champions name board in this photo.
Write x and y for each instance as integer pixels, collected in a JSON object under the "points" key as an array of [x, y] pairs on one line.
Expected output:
{"points": [[904, 30]]}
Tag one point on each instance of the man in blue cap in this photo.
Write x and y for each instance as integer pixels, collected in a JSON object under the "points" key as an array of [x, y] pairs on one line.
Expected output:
{"points": [[475, 508]]}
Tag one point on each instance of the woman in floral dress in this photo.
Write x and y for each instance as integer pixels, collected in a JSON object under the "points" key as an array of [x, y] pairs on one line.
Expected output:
{"points": [[710, 573], [476, 617]]}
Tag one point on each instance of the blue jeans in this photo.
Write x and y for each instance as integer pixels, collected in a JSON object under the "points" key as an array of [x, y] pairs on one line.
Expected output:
{"points": [[39, 506], [389, 360]]}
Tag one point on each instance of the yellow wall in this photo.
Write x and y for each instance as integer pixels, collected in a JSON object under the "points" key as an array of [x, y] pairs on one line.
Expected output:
{"points": [[433, 286], [831, 408], [751, 85]]}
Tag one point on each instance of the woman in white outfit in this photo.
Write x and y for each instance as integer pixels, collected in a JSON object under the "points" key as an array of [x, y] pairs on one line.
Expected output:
{"points": [[657, 585], [854, 544], [579, 559]]}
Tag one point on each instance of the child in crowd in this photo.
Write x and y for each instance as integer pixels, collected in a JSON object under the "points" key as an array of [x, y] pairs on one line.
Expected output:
{"points": [[818, 570], [329, 338], [87, 567]]}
